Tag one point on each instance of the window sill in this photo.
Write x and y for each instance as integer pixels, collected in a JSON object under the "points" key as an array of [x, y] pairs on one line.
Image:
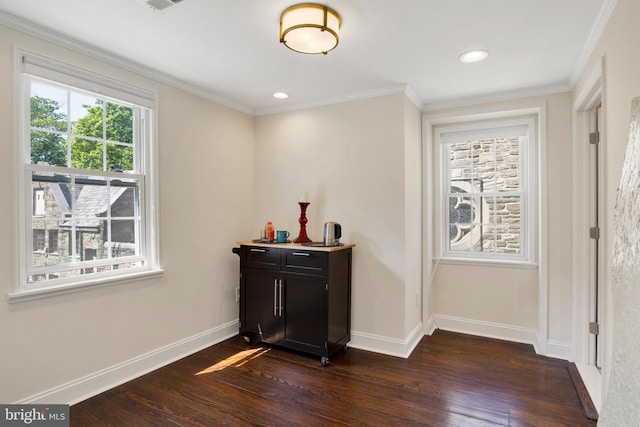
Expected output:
{"points": [[525, 265], [27, 295]]}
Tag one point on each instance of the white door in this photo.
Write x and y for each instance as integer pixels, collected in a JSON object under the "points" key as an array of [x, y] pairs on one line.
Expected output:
{"points": [[595, 250]]}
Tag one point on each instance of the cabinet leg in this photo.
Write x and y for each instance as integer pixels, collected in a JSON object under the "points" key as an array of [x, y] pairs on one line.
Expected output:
{"points": [[325, 361], [247, 339]]}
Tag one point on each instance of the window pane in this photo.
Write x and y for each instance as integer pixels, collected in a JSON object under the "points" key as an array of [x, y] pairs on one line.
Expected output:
{"points": [[48, 107], [125, 197], [506, 210], [125, 224], [48, 148], [50, 243], [501, 239], [52, 194], [507, 164], [38, 239], [87, 115], [119, 123], [466, 215], [83, 109], [49, 124], [91, 246], [460, 161], [508, 177], [87, 154], [124, 238], [119, 158]]}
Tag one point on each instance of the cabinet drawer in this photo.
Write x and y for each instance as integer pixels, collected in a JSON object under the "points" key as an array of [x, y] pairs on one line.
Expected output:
{"points": [[262, 257], [306, 262]]}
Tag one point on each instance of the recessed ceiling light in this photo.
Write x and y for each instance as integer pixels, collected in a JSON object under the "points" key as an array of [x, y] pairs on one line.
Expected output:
{"points": [[473, 56], [280, 95]]}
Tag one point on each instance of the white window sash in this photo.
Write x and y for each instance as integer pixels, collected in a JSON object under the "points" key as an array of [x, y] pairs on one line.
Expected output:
{"points": [[32, 66], [457, 133]]}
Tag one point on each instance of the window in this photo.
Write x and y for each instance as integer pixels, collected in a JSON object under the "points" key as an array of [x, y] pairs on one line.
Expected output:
{"points": [[486, 190], [38, 202], [88, 178], [38, 240], [53, 241]]}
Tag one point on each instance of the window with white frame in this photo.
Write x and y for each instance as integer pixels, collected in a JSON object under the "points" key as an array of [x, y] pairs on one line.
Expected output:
{"points": [[87, 180], [487, 192]]}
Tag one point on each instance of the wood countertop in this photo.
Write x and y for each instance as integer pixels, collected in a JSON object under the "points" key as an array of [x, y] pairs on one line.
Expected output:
{"points": [[300, 246]]}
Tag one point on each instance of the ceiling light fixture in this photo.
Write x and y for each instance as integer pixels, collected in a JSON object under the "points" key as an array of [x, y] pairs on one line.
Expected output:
{"points": [[309, 28], [473, 56], [280, 95]]}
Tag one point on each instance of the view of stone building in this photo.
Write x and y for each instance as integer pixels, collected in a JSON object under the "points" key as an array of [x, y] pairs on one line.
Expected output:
{"points": [[485, 204], [96, 236]]}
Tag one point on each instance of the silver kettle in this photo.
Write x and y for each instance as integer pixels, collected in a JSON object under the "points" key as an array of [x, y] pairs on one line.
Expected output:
{"points": [[331, 234]]}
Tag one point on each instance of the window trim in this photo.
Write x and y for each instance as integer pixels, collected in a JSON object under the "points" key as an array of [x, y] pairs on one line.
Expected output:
{"points": [[529, 181], [29, 63]]}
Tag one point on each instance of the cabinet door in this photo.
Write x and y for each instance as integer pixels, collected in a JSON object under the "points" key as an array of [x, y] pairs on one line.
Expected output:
{"points": [[261, 304], [305, 307]]}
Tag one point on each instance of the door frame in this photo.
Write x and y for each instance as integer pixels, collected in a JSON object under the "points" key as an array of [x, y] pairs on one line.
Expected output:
{"points": [[590, 97]]}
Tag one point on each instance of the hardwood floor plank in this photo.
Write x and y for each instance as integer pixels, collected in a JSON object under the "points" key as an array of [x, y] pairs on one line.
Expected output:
{"points": [[450, 380]]}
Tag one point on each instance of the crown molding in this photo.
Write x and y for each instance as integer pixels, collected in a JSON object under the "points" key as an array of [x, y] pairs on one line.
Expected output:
{"points": [[497, 97], [94, 52], [592, 40], [413, 97], [353, 96]]}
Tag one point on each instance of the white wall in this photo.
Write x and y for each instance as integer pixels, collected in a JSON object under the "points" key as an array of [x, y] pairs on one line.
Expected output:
{"points": [[206, 168], [351, 158], [621, 51], [413, 218]]}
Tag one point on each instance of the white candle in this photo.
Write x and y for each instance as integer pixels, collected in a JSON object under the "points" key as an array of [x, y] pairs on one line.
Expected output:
{"points": [[304, 196]]}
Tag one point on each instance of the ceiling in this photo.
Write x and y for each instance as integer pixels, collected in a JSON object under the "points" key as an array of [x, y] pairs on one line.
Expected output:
{"points": [[229, 51]]}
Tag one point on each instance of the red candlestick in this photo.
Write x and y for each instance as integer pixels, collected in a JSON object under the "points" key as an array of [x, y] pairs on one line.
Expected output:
{"points": [[302, 237]]}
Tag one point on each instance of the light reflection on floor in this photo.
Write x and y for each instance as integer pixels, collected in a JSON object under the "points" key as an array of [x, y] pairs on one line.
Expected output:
{"points": [[236, 360]]}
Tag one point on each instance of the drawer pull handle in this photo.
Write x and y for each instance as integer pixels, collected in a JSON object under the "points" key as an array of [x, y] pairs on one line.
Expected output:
{"points": [[258, 250], [300, 254]]}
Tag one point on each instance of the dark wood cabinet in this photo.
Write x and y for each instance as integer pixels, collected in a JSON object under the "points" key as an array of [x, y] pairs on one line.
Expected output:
{"points": [[296, 297]]}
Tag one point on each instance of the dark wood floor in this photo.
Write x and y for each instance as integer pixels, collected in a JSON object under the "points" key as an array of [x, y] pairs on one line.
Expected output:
{"points": [[450, 380]]}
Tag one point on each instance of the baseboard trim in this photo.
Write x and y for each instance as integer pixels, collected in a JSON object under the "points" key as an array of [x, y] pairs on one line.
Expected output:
{"points": [[386, 345], [487, 329], [556, 349], [430, 326], [592, 379], [559, 350], [98, 382]]}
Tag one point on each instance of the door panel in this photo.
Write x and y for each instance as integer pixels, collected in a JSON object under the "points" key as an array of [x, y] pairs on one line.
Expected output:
{"points": [[595, 260], [260, 301], [305, 305]]}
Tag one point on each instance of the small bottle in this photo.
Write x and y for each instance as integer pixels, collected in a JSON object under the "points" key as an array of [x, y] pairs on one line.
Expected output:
{"points": [[269, 232]]}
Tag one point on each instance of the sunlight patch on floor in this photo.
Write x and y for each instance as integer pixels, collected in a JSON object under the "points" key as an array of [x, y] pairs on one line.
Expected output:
{"points": [[236, 360]]}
